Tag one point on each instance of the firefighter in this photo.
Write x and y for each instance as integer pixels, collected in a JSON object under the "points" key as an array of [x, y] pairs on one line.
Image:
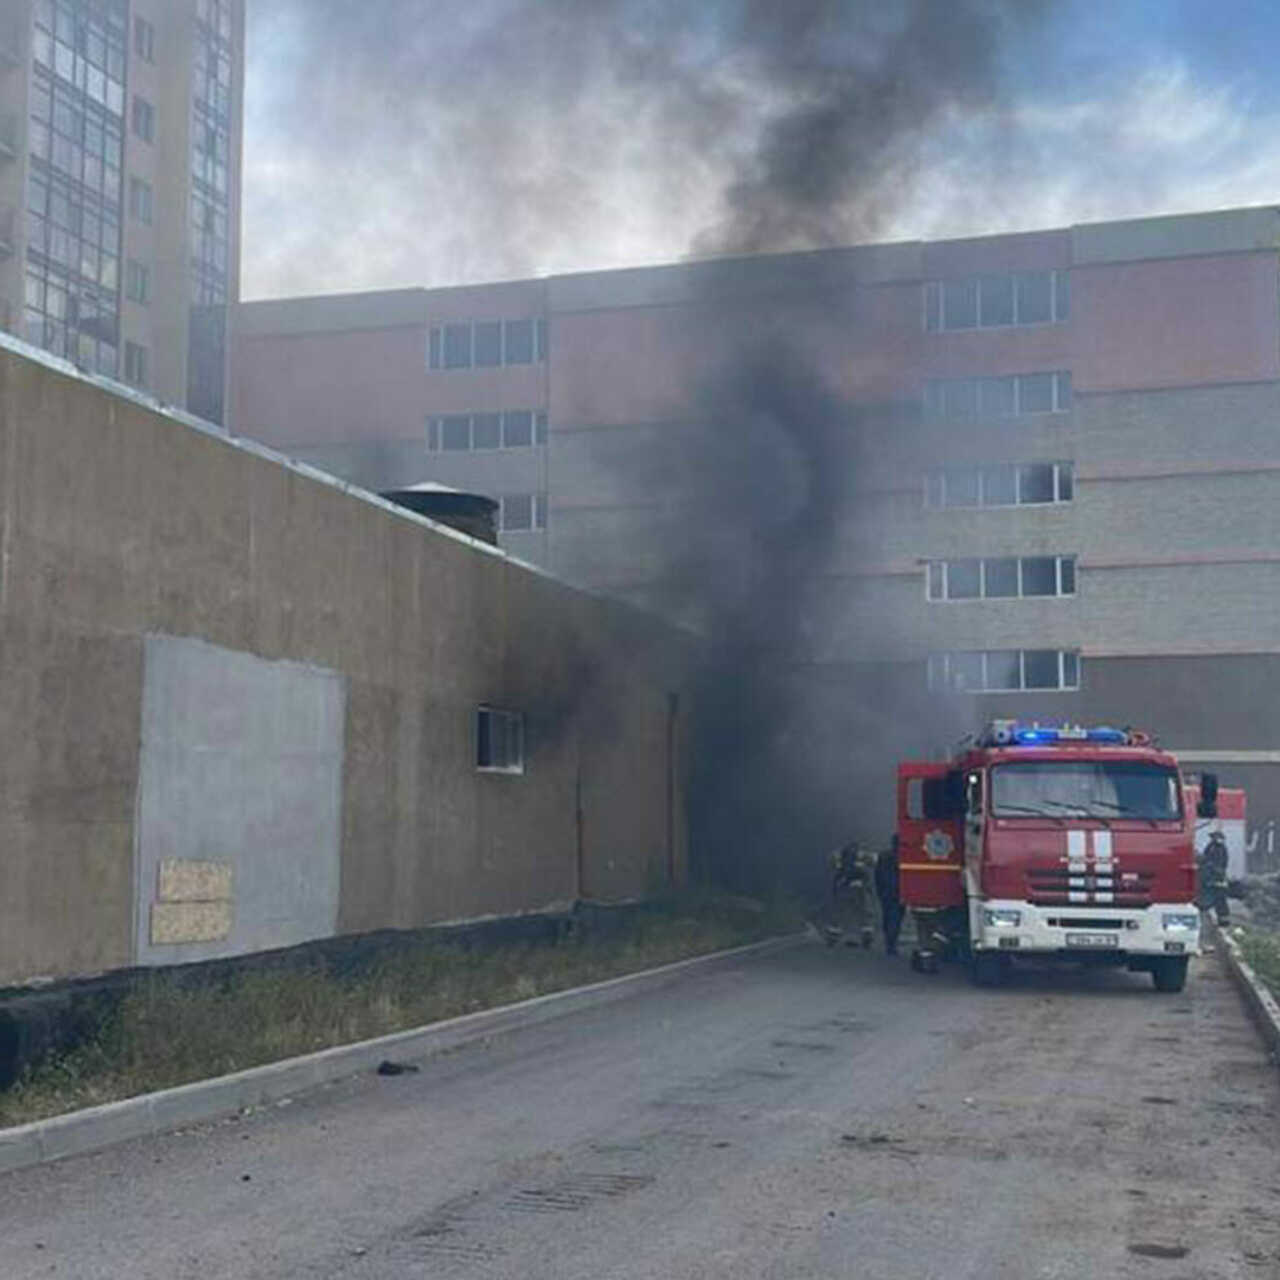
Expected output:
{"points": [[850, 897], [1213, 878], [891, 909]]}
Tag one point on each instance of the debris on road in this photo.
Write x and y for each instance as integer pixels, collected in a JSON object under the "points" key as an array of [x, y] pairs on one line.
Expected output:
{"points": [[1159, 1250], [388, 1068]]}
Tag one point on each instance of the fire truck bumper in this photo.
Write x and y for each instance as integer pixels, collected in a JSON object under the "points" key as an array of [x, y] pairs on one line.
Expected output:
{"points": [[1018, 928]]}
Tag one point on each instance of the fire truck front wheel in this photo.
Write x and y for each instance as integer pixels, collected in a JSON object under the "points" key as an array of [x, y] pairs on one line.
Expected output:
{"points": [[989, 968], [1170, 973]]}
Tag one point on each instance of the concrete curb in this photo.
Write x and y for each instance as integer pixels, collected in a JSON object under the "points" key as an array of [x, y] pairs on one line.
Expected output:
{"points": [[1261, 1003], [150, 1114]]}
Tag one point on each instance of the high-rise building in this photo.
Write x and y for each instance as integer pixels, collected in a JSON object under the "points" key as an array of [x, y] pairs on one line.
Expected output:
{"points": [[1057, 483], [120, 127]]}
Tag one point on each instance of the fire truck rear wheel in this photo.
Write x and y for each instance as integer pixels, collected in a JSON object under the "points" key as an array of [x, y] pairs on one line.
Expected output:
{"points": [[989, 968], [1170, 973]]}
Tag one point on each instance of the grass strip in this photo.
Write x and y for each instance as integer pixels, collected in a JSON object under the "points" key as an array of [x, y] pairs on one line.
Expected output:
{"points": [[1261, 948], [169, 1031]]}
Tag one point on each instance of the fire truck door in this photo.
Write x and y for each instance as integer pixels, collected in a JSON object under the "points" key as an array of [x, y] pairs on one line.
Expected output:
{"points": [[930, 836]]}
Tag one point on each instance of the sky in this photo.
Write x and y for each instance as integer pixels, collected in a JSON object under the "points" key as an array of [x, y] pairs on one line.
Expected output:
{"points": [[401, 143]]}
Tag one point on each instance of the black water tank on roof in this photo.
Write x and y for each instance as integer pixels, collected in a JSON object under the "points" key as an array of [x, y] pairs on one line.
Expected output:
{"points": [[469, 513]]}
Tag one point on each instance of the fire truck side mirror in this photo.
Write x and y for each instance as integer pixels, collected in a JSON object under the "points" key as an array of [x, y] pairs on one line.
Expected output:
{"points": [[944, 797], [1208, 806]]}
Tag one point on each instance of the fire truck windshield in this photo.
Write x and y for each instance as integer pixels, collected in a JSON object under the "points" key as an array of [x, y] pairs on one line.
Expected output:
{"points": [[1086, 788]]}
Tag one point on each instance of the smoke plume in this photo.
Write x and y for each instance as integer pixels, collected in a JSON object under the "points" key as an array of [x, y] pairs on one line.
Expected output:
{"points": [[782, 768], [861, 89]]}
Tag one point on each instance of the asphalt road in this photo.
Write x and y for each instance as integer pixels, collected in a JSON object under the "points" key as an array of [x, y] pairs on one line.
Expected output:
{"points": [[801, 1114]]}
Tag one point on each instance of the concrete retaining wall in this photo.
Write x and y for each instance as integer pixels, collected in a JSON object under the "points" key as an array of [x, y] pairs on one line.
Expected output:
{"points": [[247, 695]]}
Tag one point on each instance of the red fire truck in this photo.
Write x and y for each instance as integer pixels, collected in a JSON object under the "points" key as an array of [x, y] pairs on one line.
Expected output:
{"points": [[1052, 842]]}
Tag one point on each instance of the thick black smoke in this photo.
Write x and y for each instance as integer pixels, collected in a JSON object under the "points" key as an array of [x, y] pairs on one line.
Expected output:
{"points": [[762, 478], [789, 753], [863, 86]]}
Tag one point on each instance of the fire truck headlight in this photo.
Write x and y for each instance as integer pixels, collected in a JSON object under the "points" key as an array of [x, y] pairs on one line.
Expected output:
{"points": [[1179, 920], [1001, 918]]}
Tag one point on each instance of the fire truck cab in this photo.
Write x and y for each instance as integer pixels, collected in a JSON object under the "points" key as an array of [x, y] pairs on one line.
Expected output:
{"points": [[1038, 842]]}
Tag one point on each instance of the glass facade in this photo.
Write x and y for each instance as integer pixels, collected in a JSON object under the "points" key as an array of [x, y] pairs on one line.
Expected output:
{"points": [[89, 119], [76, 141], [211, 154], [210, 213]]}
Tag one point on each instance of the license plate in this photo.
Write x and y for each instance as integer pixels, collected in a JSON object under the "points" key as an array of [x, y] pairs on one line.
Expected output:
{"points": [[1093, 939]]}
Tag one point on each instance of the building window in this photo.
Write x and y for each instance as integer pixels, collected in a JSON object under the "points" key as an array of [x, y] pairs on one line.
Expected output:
{"points": [[457, 346], [1003, 670], [455, 433], [144, 39], [1001, 578], [517, 342], [137, 282], [499, 740], [962, 579], [140, 200], [486, 344], [997, 301], [517, 429], [969, 399], [522, 512], [467, 432], [999, 486], [516, 512], [486, 430], [135, 364], [1005, 484], [144, 119]]}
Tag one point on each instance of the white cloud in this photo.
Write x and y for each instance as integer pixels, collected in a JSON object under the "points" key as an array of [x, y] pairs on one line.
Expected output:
{"points": [[602, 189], [1163, 141]]}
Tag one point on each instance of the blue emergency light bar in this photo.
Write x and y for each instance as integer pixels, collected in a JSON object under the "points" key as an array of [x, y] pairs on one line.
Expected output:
{"points": [[1006, 733], [1030, 736]]}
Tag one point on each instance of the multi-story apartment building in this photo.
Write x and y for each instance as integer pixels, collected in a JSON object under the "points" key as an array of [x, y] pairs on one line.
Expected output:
{"points": [[1059, 483], [120, 127]]}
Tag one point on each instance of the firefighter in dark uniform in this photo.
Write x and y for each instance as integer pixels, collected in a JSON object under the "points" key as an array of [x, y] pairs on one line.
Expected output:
{"points": [[1213, 878], [850, 897], [891, 909]]}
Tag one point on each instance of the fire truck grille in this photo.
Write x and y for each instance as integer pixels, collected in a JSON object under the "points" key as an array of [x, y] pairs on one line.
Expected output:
{"points": [[1085, 922], [1056, 886]]}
